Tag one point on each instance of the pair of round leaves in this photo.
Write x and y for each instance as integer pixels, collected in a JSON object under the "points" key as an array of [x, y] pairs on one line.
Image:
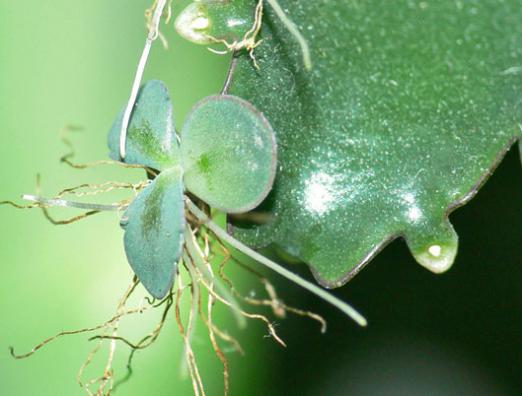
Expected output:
{"points": [[226, 156]]}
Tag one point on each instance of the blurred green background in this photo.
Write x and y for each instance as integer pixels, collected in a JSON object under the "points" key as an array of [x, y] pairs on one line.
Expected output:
{"points": [[72, 62]]}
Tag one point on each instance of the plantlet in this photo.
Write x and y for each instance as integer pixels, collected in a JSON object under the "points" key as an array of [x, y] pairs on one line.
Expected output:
{"points": [[226, 157]]}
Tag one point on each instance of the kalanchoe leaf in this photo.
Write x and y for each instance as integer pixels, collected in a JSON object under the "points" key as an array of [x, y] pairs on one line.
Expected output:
{"points": [[228, 153], [408, 108], [151, 138], [203, 22], [154, 224]]}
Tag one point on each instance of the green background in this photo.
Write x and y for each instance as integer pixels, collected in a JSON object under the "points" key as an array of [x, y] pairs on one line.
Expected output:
{"points": [[72, 62]]}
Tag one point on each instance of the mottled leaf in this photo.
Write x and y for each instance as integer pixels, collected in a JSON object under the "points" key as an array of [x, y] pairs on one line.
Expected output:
{"points": [[408, 108], [228, 153], [151, 138], [154, 224]]}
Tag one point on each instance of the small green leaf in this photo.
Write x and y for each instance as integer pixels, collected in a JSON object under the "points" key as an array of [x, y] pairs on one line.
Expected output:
{"points": [[151, 138], [228, 153], [154, 224], [204, 22]]}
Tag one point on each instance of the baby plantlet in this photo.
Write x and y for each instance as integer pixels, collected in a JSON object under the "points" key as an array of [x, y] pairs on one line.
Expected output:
{"points": [[226, 157], [235, 24]]}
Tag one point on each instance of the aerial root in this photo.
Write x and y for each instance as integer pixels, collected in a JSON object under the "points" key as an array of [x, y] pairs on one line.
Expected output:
{"points": [[18, 206], [279, 308], [270, 325], [102, 188], [196, 280], [70, 220], [72, 332], [197, 383], [67, 157], [249, 41], [219, 353], [105, 382]]}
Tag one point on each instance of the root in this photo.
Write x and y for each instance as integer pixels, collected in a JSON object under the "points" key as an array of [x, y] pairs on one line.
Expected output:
{"points": [[86, 330], [249, 41], [67, 157], [279, 308], [95, 189], [197, 384], [70, 220], [270, 326]]}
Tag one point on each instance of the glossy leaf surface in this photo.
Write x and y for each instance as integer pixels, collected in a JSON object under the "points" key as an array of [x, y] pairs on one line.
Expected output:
{"points": [[408, 108], [208, 21], [154, 224], [151, 139], [228, 153]]}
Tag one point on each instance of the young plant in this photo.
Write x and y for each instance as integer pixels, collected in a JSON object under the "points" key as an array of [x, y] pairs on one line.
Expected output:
{"points": [[226, 156]]}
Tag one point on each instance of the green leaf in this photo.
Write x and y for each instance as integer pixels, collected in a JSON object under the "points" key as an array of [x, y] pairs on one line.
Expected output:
{"points": [[207, 21], [154, 224], [228, 153], [407, 110], [151, 138]]}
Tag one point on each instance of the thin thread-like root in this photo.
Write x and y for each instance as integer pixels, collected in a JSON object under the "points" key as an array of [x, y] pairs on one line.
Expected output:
{"points": [[45, 203], [70, 220], [101, 188], [149, 339], [196, 255], [18, 206], [107, 162], [112, 326], [195, 276], [270, 326], [145, 341], [197, 384], [67, 157], [274, 302], [219, 353], [195, 306], [236, 346], [198, 258], [64, 333], [249, 41], [279, 308]]}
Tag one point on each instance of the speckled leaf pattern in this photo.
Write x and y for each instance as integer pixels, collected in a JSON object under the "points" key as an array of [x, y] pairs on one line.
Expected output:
{"points": [[408, 108], [154, 224], [228, 153], [151, 139]]}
